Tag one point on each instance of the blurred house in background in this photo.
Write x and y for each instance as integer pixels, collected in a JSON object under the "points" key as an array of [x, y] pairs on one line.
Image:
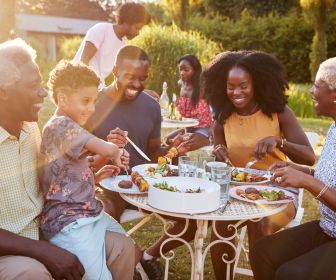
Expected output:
{"points": [[46, 31]]}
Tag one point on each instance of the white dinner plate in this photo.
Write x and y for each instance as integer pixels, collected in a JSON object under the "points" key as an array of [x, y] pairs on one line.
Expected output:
{"points": [[142, 168], [264, 173], [184, 120], [232, 193], [111, 184]]}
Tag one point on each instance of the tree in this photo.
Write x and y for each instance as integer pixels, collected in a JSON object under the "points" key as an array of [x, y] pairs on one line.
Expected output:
{"points": [[233, 8], [7, 19], [316, 12], [180, 10]]}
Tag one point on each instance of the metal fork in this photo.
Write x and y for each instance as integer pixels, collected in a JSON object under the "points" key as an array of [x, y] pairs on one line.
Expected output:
{"points": [[223, 206], [250, 163], [127, 174]]}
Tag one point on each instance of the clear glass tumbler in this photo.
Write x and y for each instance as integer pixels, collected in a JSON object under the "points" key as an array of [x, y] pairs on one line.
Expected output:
{"points": [[221, 174], [203, 170], [187, 166]]}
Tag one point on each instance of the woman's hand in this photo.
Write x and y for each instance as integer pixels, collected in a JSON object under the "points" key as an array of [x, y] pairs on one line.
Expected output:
{"points": [[178, 139], [265, 146], [278, 164], [281, 164], [183, 148], [106, 171], [289, 177], [195, 140], [117, 137], [221, 154]]}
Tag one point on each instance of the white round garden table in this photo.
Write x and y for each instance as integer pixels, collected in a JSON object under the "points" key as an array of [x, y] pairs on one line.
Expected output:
{"points": [[236, 211]]}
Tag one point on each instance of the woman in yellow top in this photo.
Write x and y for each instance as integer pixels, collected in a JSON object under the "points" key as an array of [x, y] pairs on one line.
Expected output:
{"points": [[247, 92]]}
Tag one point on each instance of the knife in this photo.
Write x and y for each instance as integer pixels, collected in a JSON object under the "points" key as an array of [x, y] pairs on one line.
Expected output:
{"points": [[138, 149]]}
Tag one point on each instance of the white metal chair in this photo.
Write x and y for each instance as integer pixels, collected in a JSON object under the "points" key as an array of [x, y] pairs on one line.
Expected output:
{"points": [[241, 247], [313, 138]]}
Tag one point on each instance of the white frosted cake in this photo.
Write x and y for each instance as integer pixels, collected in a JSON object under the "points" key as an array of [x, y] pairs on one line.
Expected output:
{"points": [[184, 195]]}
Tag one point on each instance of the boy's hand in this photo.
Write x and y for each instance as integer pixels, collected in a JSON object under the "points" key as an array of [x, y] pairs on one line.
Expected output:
{"points": [[96, 162], [117, 160], [125, 159], [106, 171]]}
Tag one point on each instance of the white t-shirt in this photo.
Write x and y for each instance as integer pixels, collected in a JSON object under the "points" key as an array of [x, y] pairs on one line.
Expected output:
{"points": [[107, 43]]}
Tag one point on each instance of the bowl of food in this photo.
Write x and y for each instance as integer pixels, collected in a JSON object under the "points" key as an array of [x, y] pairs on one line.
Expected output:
{"points": [[184, 195]]}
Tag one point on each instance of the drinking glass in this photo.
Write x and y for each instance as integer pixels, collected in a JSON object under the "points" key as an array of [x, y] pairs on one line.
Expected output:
{"points": [[203, 170], [221, 174], [187, 166]]}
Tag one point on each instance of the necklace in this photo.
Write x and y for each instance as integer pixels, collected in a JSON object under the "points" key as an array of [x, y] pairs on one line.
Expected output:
{"points": [[252, 111], [241, 117]]}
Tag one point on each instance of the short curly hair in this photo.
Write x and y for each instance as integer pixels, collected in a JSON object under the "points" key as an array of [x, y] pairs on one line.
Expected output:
{"points": [[13, 54], [327, 72], [132, 13], [70, 76], [268, 78]]}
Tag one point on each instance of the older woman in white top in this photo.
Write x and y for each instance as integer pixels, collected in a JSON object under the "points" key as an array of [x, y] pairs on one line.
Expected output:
{"points": [[307, 251]]}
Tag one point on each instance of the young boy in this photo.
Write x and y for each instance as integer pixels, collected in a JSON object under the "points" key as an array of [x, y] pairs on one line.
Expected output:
{"points": [[72, 218]]}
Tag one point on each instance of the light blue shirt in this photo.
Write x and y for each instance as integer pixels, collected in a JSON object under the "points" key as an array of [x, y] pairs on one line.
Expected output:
{"points": [[326, 173]]}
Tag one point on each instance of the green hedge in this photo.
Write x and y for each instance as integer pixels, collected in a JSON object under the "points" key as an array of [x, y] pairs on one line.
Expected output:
{"points": [[165, 45], [299, 99], [69, 47], [286, 37]]}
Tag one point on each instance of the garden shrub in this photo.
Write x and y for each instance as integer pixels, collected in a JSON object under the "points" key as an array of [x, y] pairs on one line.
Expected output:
{"points": [[286, 37], [300, 101], [165, 45], [45, 65], [68, 47]]}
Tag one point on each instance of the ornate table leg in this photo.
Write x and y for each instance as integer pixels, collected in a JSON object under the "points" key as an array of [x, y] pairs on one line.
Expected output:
{"points": [[229, 240], [201, 233], [175, 237]]}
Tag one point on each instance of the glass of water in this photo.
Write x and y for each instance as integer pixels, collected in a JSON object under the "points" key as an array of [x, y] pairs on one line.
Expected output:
{"points": [[221, 174], [203, 170], [187, 166]]}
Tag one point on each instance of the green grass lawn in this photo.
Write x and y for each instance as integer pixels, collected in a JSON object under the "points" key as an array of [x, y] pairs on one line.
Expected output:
{"points": [[180, 266]]}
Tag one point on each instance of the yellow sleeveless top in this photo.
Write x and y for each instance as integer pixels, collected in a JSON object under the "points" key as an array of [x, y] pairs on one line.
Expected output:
{"points": [[242, 134]]}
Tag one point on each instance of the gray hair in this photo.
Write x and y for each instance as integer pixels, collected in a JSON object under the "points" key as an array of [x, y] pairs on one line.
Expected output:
{"points": [[327, 72], [13, 53]]}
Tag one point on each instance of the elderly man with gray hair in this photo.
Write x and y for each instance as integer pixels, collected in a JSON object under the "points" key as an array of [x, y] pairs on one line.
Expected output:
{"points": [[308, 250], [22, 254]]}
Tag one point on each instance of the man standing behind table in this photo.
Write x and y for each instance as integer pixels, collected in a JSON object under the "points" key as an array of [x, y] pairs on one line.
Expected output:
{"points": [[22, 255], [103, 41], [124, 105]]}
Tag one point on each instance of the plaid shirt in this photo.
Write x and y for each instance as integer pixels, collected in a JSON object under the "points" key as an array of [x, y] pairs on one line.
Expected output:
{"points": [[20, 199]]}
